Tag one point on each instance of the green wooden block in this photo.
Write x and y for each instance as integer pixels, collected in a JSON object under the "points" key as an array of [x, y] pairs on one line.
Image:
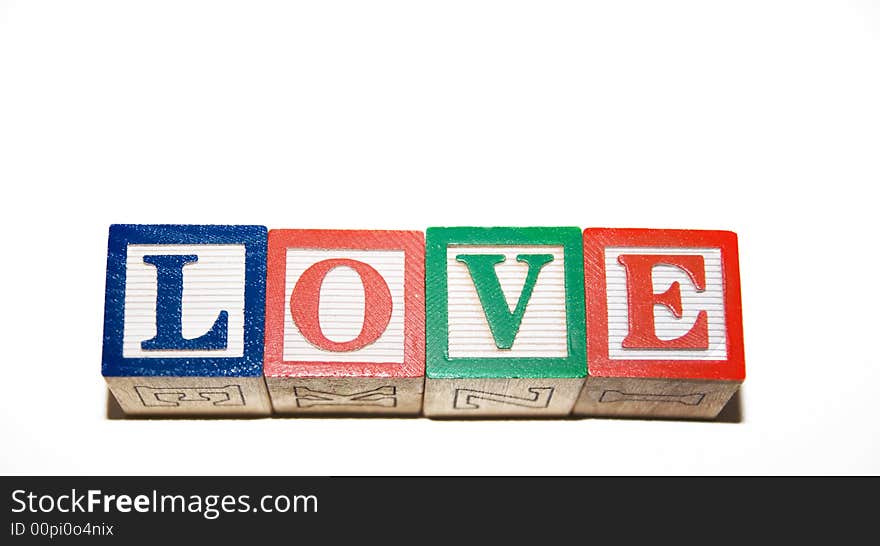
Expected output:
{"points": [[505, 321]]}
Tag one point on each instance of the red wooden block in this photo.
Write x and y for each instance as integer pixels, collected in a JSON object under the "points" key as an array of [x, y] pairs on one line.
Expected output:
{"points": [[345, 321], [664, 322]]}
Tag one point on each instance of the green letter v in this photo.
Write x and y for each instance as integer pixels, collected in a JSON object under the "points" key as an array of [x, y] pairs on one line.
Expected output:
{"points": [[502, 322]]}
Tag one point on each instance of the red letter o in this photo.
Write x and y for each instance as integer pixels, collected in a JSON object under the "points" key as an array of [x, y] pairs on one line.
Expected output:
{"points": [[306, 298]]}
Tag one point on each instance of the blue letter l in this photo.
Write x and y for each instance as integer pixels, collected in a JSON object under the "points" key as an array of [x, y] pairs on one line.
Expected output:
{"points": [[169, 310]]}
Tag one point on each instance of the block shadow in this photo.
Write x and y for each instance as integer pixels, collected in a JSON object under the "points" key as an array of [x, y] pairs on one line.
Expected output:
{"points": [[732, 413], [114, 412]]}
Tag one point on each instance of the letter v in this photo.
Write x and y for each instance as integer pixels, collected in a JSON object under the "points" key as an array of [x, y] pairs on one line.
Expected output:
{"points": [[504, 324]]}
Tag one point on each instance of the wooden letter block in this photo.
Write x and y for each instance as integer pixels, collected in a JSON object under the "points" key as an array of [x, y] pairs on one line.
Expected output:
{"points": [[664, 323], [345, 321], [505, 321], [183, 319]]}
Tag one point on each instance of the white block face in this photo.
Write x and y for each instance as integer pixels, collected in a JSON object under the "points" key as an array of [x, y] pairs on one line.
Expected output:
{"points": [[341, 308], [543, 331], [215, 283], [666, 324]]}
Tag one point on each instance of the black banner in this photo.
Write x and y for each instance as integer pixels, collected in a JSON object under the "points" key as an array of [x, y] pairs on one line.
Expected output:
{"points": [[174, 510]]}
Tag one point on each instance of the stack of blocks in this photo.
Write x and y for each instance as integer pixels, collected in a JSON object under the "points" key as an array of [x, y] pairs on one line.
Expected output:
{"points": [[473, 322]]}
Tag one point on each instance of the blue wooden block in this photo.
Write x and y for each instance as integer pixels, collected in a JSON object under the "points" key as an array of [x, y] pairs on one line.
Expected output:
{"points": [[183, 319]]}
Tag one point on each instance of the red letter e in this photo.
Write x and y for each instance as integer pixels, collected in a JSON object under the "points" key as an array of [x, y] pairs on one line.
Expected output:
{"points": [[641, 300]]}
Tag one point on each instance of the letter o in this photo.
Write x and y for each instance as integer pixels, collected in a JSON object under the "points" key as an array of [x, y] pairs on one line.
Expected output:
{"points": [[305, 301]]}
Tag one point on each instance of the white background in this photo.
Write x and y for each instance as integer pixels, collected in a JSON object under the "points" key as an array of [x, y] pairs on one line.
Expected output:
{"points": [[762, 117]]}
